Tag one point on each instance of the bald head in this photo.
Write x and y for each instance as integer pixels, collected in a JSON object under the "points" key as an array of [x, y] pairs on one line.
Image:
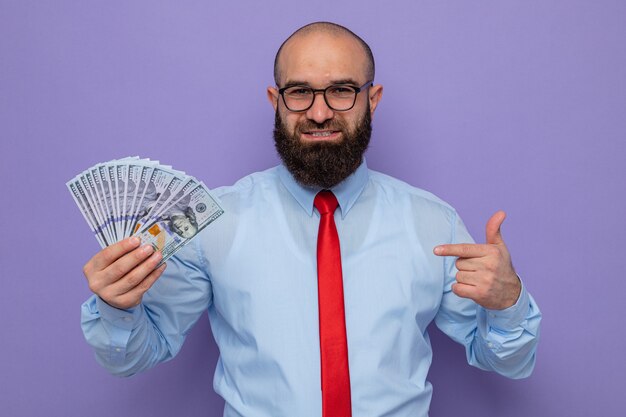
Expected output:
{"points": [[329, 29]]}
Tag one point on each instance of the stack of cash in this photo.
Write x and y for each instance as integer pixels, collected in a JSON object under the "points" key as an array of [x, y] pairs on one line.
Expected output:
{"points": [[131, 196]]}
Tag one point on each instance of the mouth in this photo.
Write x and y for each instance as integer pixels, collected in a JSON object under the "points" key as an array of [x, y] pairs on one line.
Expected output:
{"points": [[321, 135]]}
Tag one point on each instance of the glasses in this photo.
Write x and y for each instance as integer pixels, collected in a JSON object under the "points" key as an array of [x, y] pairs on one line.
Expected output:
{"points": [[338, 97]]}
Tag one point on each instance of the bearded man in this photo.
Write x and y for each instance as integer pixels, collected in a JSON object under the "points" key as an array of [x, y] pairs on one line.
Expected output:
{"points": [[322, 273]]}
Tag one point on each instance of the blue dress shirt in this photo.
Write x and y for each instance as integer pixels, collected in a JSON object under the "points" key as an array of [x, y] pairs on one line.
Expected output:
{"points": [[254, 271]]}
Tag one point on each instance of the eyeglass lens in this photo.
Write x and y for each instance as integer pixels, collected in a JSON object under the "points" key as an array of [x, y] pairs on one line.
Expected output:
{"points": [[338, 97]]}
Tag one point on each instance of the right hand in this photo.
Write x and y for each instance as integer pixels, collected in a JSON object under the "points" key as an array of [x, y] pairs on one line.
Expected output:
{"points": [[121, 273]]}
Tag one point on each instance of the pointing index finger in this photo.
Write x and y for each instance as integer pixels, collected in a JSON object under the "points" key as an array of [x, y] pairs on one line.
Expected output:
{"points": [[462, 250]]}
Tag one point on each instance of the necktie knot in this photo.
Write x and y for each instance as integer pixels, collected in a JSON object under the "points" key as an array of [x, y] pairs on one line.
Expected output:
{"points": [[325, 202]]}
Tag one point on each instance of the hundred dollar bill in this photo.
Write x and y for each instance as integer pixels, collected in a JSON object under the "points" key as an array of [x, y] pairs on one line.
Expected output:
{"points": [[178, 224], [142, 189], [86, 210], [111, 171], [121, 181], [111, 175], [85, 185], [165, 207], [169, 198], [106, 195], [99, 194], [160, 180], [159, 186], [133, 185]]}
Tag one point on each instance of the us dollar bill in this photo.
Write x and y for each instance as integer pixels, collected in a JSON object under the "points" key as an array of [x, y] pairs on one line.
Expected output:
{"points": [[166, 208], [86, 210], [180, 223]]}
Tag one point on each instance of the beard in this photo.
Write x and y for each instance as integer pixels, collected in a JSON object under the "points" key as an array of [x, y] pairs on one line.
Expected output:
{"points": [[323, 164]]}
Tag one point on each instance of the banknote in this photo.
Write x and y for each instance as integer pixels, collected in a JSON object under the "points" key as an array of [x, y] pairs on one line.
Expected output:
{"points": [[164, 207], [133, 184], [178, 223], [87, 211]]}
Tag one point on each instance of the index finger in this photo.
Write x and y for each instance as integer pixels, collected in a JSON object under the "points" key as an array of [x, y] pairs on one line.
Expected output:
{"points": [[110, 254], [462, 250]]}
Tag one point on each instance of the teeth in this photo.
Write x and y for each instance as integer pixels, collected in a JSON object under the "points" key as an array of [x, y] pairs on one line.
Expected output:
{"points": [[320, 134]]}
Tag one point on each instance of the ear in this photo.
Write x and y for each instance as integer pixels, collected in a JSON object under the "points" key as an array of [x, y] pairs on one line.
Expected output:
{"points": [[375, 94], [272, 96]]}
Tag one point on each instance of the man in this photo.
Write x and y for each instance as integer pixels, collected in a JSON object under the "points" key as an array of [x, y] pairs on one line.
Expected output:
{"points": [[283, 327]]}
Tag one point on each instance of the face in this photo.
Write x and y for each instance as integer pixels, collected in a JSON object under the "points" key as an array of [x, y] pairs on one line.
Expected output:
{"points": [[320, 146], [183, 226]]}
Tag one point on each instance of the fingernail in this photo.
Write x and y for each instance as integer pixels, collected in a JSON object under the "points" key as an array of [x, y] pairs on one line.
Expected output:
{"points": [[134, 240], [147, 249], [438, 250]]}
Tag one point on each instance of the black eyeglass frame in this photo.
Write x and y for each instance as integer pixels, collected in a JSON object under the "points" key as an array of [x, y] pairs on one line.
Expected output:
{"points": [[357, 90]]}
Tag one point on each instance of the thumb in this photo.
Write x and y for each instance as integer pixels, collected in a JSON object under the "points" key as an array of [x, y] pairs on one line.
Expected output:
{"points": [[494, 236]]}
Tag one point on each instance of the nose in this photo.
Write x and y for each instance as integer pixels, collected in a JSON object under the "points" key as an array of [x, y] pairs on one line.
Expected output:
{"points": [[319, 112]]}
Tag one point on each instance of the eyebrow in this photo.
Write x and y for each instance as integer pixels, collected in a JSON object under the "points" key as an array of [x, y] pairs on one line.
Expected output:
{"points": [[333, 82]]}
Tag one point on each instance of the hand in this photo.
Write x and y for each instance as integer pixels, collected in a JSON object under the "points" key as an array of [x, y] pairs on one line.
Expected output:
{"points": [[121, 273], [486, 274]]}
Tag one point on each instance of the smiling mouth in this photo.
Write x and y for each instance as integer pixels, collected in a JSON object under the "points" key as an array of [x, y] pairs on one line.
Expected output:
{"points": [[321, 135]]}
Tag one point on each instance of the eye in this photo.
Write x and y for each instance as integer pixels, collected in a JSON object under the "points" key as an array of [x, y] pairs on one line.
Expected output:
{"points": [[298, 91], [341, 91]]}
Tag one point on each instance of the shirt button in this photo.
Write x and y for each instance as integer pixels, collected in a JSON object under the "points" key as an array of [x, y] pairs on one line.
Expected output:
{"points": [[126, 318], [118, 349]]}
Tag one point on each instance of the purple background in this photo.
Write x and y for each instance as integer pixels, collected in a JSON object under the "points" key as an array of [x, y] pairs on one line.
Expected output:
{"points": [[518, 105]]}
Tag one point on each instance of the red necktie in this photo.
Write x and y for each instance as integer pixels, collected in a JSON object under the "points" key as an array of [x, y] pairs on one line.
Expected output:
{"points": [[333, 344]]}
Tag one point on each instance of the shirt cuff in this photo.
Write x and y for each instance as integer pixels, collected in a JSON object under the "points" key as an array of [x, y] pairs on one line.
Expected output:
{"points": [[123, 319], [511, 317]]}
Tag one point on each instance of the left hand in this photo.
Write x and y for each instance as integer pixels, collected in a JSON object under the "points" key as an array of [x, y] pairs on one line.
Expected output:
{"points": [[486, 274]]}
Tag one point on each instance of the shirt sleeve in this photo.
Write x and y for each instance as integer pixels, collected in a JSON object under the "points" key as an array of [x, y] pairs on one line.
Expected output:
{"points": [[129, 341], [504, 341]]}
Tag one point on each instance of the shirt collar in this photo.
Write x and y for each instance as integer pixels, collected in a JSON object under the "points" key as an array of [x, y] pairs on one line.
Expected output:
{"points": [[346, 191]]}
